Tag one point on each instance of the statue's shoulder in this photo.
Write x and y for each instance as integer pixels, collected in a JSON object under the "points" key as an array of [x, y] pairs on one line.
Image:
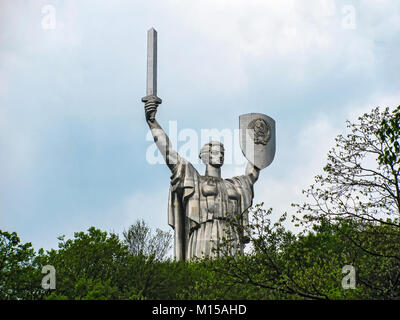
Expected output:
{"points": [[235, 178], [229, 180], [190, 167], [183, 167], [242, 180]]}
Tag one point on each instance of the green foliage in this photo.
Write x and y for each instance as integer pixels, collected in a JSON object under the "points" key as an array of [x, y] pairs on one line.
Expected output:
{"points": [[361, 180], [97, 265], [85, 264], [19, 270], [359, 196], [281, 265], [389, 133]]}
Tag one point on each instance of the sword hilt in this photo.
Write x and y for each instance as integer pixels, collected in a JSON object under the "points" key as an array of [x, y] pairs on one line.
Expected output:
{"points": [[154, 99]]}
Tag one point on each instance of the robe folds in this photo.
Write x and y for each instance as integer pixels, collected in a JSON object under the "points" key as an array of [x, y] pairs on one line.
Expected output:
{"points": [[198, 209]]}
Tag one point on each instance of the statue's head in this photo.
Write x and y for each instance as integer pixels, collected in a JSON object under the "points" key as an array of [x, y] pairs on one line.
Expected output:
{"points": [[212, 153]]}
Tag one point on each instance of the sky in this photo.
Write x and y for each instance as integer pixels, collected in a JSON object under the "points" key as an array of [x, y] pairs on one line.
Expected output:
{"points": [[75, 149]]}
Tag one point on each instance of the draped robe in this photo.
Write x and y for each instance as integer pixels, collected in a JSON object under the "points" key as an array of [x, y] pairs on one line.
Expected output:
{"points": [[198, 209]]}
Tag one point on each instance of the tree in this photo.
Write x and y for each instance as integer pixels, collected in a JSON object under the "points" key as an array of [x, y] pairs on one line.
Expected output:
{"points": [[284, 265], [90, 265], [361, 180], [360, 186], [141, 241], [20, 276], [98, 265]]}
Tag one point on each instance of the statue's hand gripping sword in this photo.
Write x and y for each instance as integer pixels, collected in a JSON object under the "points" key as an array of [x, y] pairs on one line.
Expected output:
{"points": [[151, 87]]}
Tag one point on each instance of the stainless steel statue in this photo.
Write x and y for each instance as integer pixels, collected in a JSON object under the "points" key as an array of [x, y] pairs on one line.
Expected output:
{"points": [[200, 207]]}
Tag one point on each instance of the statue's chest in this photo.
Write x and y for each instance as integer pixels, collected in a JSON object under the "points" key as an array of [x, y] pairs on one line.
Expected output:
{"points": [[218, 197]]}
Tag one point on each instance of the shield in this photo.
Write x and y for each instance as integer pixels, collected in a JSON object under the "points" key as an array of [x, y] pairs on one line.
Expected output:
{"points": [[257, 138]]}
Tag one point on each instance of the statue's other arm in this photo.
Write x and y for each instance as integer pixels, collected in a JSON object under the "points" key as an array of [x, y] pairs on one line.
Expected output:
{"points": [[160, 137], [252, 171]]}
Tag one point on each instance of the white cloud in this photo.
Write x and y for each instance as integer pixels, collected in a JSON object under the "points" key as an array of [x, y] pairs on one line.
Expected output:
{"points": [[307, 38]]}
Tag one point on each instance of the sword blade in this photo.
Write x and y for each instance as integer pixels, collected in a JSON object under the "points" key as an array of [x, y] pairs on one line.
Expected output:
{"points": [[151, 88]]}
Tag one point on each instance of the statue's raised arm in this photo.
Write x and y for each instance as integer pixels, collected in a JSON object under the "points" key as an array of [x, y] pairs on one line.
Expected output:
{"points": [[160, 137], [252, 171]]}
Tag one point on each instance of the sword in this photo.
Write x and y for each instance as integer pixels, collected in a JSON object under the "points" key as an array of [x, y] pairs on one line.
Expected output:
{"points": [[151, 85]]}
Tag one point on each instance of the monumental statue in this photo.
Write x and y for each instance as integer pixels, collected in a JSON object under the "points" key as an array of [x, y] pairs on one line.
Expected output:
{"points": [[202, 207]]}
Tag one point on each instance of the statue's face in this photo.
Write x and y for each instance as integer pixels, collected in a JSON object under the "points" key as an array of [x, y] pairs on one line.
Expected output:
{"points": [[216, 156]]}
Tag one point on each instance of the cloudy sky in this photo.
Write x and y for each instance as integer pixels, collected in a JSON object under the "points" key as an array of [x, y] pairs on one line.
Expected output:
{"points": [[73, 140]]}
